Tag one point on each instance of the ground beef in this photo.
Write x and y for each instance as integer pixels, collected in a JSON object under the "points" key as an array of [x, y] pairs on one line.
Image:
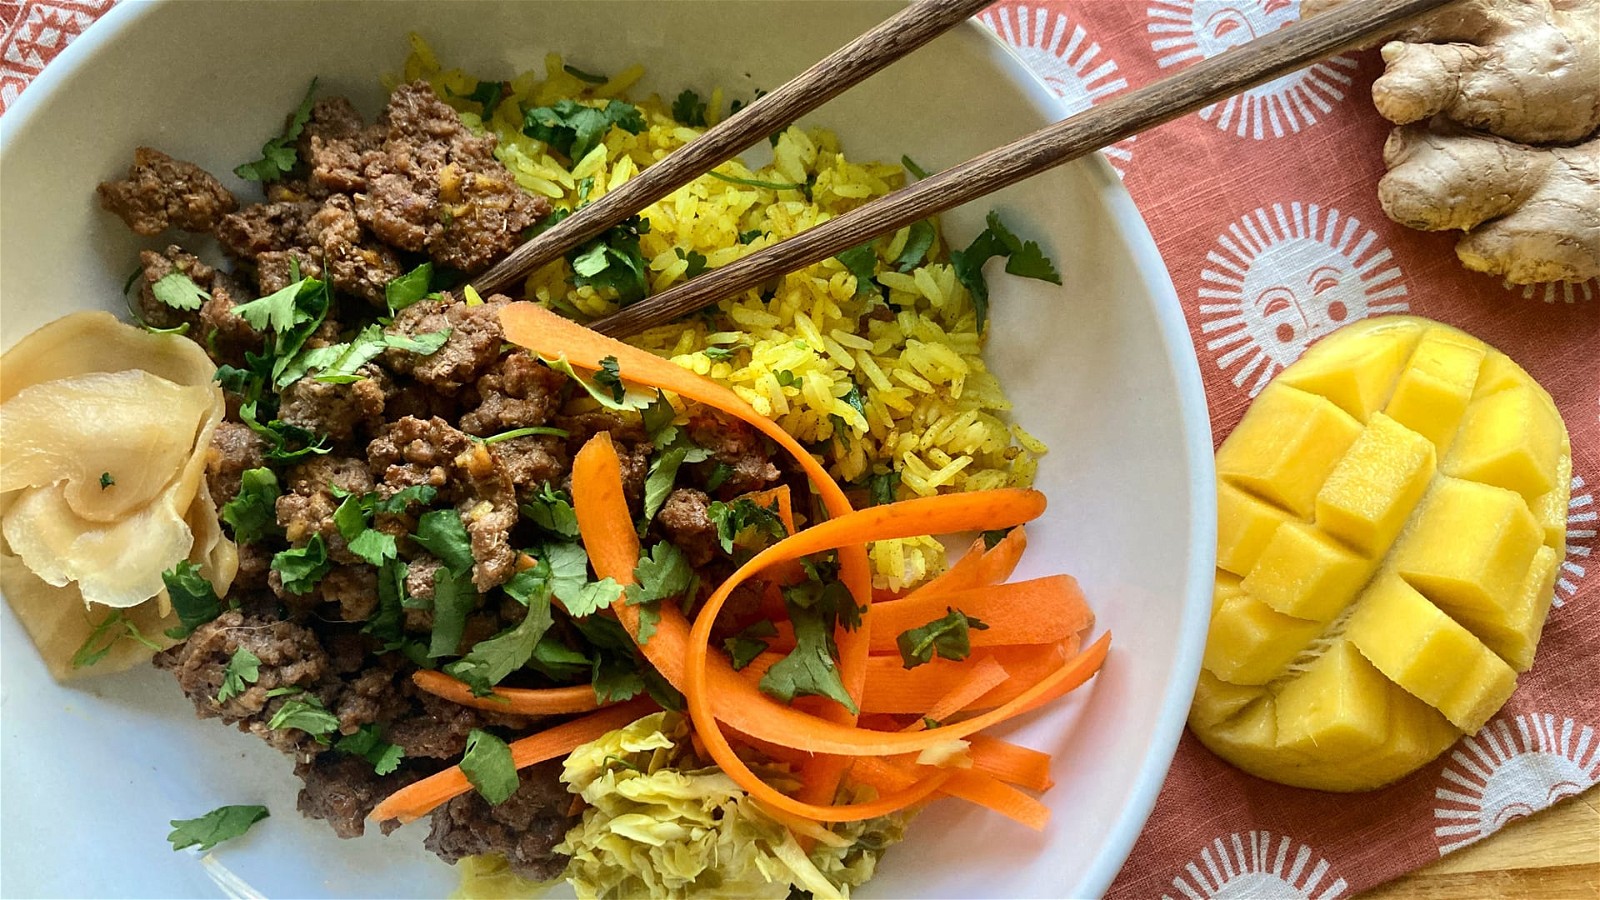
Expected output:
{"points": [[419, 401], [371, 695], [255, 563], [473, 345], [438, 729], [685, 522], [338, 147], [627, 433], [532, 462], [738, 446], [342, 790], [353, 589], [234, 448], [267, 227], [336, 410], [307, 505], [225, 334], [277, 269], [155, 266], [438, 187], [355, 263], [290, 656], [524, 829], [517, 391], [161, 192]]}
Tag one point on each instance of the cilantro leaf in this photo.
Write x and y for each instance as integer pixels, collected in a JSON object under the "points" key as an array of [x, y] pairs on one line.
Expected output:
{"points": [[990, 538], [661, 573], [658, 418], [179, 291], [488, 94], [609, 376], [658, 483], [811, 668], [369, 744], [603, 397], [745, 646], [403, 498], [1022, 258], [912, 167], [719, 474], [616, 678], [306, 713], [193, 597], [387, 622], [569, 570], [106, 480], [696, 260], [374, 546], [291, 314], [453, 598], [441, 533], [593, 597], [661, 690], [490, 661], [302, 567], [918, 242], [113, 628], [862, 261], [285, 443], [746, 237], [946, 636], [744, 521], [1030, 262], [278, 156], [614, 261], [884, 487], [573, 129], [556, 660], [252, 512], [689, 109], [244, 668], [221, 824], [552, 512], [489, 767]]}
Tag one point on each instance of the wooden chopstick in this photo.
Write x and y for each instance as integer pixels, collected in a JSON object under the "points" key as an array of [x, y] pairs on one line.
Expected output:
{"points": [[886, 42], [1206, 82]]}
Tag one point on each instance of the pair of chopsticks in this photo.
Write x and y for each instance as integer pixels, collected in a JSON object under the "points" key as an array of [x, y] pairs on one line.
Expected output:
{"points": [[1204, 83]]}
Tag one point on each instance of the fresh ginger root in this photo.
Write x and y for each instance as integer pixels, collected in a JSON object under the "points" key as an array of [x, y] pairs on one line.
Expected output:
{"points": [[1499, 102]]}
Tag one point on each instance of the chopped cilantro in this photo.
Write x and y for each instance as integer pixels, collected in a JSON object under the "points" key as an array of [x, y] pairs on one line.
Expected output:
{"points": [[758, 183], [489, 767], [718, 353], [285, 443], [912, 167], [696, 260], [291, 314], [824, 592], [581, 75], [658, 483], [556, 660], [369, 744], [745, 646], [193, 598], [374, 546], [487, 94], [990, 538], [387, 622], [689, 109], [811, 668], [862, 261], [252, 512], [340, 363], [113, 628], [221, 824], [453, 598], [278, 156], [661, 690], [609, 377], [662, 573], [719, 474], [305, 712], [918, 242], [242, 669], [491, 660], [551, 511], [884, 487], [1022, 258], [403, 498], [613, 261], [302, 567], [946, 636], [616, 678], [785, 377], [658, 421], [409, 288], [179, 291], [744, 520], [602, 396], [441, 533], [593, 597], [573, 129], [569, 570], [106, 480], [746, 237]]}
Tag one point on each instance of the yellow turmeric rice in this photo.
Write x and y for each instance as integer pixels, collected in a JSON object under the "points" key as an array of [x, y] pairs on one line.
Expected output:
{"points": [[888, 387]]}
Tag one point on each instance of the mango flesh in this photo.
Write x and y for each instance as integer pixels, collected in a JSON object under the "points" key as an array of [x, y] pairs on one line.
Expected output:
{"points": [[1391, 513]]}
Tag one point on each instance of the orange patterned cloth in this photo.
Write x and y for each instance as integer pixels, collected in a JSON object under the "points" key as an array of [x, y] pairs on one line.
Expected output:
{"points": [[1265, 211]]}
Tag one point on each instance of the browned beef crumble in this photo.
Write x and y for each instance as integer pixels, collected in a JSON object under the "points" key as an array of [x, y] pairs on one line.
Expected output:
{"points": [[161, 192], [365, 204]]}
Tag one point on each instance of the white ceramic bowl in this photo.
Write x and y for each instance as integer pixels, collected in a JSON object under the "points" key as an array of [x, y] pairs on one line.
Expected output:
{"points": [[1101, 368]]}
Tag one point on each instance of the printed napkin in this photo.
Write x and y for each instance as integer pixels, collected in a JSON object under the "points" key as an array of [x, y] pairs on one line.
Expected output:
{"points": [[1265, 211]]}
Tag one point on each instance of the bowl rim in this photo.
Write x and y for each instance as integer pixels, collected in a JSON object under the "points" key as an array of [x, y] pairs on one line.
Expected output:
{"points": [[1172, 328]]}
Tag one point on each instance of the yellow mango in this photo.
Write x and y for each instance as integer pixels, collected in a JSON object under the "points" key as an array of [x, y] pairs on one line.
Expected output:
{"points": [[1372, 490], [1429, 654], [1244, 526], [1513, 439], [1287, 444], [1391, 516], [1304, 574], [1433, 393]]}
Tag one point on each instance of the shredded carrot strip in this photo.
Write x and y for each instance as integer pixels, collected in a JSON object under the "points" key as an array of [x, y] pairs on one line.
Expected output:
{"points": [[981, 677], [1037, 611], [420, 798], [978, 567], [1011, 763], [515, 701], [993, 794]]}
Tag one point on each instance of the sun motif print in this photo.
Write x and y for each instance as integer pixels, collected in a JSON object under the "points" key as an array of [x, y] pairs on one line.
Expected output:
{"points": [[1282, 277], [1511, 769], [1564, 291], [1184, 30], [1062, 54], [1256, 864], [1582, 518]]}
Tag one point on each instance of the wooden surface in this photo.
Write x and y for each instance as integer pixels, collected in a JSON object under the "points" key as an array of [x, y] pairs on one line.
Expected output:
{"points": [[1554, 855], [1208, 81]]}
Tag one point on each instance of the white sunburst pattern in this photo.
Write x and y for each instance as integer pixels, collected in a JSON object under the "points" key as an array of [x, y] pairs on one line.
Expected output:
{"points": [[1256, 864], [1565, 291], [1185, 30], [1582, 517], [1281, 277], [1071, 64], [1511, 769]]}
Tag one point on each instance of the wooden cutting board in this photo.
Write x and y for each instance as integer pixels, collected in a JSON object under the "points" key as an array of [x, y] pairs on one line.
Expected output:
{"points": [[1553, 855]]}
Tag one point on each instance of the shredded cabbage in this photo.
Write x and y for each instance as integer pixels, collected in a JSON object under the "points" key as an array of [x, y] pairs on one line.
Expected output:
{"points": [[661, 822]]}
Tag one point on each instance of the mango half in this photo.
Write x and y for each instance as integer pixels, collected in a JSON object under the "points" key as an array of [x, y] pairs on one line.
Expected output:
{"points": [[1391, 512]]}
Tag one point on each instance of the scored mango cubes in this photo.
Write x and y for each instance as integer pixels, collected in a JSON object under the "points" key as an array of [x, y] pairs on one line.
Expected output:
{"points": [[1390, 518]]}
